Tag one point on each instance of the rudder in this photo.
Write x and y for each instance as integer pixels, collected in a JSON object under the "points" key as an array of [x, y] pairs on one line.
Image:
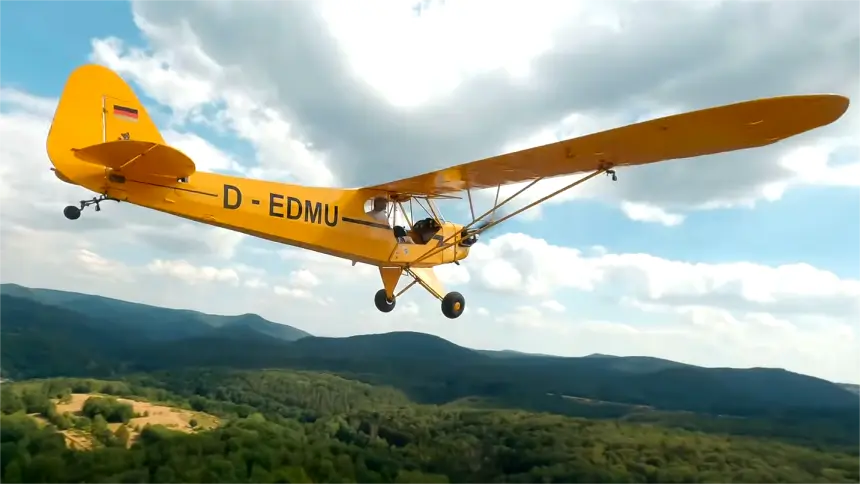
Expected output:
{"points": [[96, 106]]}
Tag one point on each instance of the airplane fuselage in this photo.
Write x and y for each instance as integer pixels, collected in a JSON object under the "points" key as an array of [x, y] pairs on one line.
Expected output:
{"points": [[327, 220]]}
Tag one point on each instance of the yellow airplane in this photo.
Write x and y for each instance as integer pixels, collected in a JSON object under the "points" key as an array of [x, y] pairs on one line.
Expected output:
{"points": [[102, 139]]}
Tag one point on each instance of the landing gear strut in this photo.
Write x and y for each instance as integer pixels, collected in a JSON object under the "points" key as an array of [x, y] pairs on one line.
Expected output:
{"points": [[73, 213]]}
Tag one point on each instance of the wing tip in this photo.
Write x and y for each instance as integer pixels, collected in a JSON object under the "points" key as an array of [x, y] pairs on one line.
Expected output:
{"points": [[829, 106], [840, 104]]}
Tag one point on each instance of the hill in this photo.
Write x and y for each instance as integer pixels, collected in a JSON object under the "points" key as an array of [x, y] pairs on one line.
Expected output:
{"points": [[513, 354], [851, 387], [43, 339], [395, 345], [154, 322], [637, 364]]}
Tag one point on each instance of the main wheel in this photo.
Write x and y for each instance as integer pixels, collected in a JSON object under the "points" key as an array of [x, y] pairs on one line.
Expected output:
{"points": [[382, 302], [453, 305], [72, 212]]}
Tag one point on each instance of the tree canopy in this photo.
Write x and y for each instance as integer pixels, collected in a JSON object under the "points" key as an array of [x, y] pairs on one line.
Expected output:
{"points": [[285, 426]]}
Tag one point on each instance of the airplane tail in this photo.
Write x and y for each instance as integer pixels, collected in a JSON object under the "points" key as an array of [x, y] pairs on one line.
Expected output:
{"points": [[100, 121]]}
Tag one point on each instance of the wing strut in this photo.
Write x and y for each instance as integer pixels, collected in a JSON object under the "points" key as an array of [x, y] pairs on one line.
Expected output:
{"points": [[471, 205], [444, 244]]}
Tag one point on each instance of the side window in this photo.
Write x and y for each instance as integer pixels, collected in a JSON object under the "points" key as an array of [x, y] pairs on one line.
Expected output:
{"points": [[378, 208]]}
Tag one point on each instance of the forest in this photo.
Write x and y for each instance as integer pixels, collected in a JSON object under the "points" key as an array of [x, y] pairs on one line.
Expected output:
{"points": [[290, 426], [396, 407]]}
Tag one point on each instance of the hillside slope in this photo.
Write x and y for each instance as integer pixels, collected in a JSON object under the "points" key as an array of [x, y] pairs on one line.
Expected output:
{"points": [[151, 321], [41, 339]]}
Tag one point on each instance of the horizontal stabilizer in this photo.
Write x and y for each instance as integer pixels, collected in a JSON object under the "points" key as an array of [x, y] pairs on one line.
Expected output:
{"points": [[139, 159]]}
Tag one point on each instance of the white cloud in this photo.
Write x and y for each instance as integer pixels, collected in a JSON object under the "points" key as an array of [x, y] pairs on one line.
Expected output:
{"points": [[453, 274], [193, 274], [304, 278], [642, 212], [410, 309], [38, 106], [438, 62], [184, 94], [206, 157], [500, 274], [101, 267], [790, 288], [255, 283], [553, 305], [438, 50], [338, 103], [327, 266], [188, 81], [292, 292]]}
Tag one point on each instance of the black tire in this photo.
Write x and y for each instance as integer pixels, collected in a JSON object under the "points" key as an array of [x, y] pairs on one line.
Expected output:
{"points": [[72, 212], [453, 305], [382, 302]]}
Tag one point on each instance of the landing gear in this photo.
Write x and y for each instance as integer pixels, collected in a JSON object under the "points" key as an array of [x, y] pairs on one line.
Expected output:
{"points": [[73, 213], [453, 305], [382, 302]]}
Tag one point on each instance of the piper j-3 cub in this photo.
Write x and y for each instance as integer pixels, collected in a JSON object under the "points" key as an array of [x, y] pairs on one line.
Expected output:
{"points": [[102, 139]]}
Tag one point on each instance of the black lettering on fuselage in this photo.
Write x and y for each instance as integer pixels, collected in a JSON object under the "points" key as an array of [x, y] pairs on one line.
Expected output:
{"points": [[314, 212], [293, 202], [227, 190], [333, 222], [273, 204]]}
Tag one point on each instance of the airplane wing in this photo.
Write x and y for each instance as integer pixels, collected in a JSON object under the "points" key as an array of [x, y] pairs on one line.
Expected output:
{"points": [[714, 130]]}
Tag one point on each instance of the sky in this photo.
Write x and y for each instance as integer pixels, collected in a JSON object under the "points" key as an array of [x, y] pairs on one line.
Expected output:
{"points": [[747, 259]]}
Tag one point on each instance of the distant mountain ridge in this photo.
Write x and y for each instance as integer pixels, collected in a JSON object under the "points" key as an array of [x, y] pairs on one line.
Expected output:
{"points": [[394, 345], [851, 387], [56, 333], [156, 322]]}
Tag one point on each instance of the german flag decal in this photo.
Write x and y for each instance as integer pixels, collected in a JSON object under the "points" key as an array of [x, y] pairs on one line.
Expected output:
{"points": [[124, 112]]}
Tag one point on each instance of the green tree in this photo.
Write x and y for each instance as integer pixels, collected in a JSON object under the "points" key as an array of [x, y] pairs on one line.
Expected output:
{"points": [[405, 476], [12, 472], [10, 401], [110, 408], [283, 426], [121, 434]]}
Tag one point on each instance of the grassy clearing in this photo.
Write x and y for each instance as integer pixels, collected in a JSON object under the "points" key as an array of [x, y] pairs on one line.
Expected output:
{"points": [[149, 414]]}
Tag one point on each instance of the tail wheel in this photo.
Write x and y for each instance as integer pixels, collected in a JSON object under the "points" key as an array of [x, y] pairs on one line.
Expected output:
{"points": [[382, 302], [72, 212], [453, 305]]}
